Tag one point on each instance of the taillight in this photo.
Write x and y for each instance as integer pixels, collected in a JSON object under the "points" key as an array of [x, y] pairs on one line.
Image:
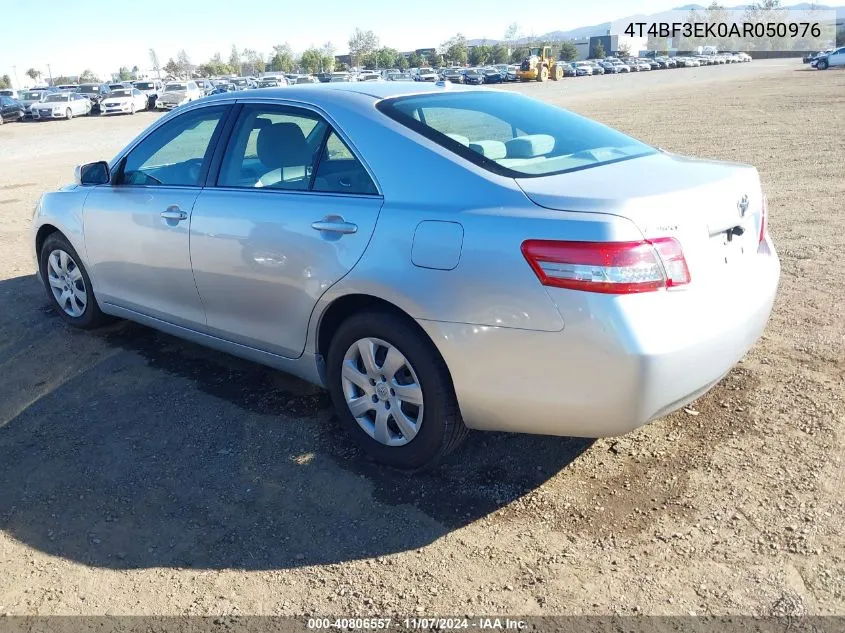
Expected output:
{"points": [[608, 267]]}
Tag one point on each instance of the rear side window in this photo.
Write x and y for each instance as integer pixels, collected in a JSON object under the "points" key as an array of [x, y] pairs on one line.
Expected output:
{"points": [[339, 171], [278, 147], [510, 134]]}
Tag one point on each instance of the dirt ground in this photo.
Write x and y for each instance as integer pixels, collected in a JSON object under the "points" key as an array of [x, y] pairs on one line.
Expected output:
{"points": [[143, 475]]}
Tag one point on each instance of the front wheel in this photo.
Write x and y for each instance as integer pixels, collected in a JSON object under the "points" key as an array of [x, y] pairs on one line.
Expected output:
{"points": [[69, 114], [822, 65], [543, 74], [132, 109], [67, 283], [392, 391]]}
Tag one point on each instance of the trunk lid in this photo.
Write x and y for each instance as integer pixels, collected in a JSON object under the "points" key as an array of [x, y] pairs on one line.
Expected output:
{"points": [[714, 209]]}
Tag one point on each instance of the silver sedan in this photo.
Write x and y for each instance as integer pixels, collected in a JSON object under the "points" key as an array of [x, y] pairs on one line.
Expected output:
{"points": [[561, 279]]}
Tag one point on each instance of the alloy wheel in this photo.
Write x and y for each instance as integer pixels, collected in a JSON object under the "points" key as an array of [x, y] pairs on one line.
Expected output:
{"points": [[67, 283], [382, 391]]}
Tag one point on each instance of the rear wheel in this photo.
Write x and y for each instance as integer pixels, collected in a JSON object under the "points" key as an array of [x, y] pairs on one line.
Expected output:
{"points": [[392, 391]]}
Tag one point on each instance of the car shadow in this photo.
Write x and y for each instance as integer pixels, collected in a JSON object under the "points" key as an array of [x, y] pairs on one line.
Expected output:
{"points": [[127, 448]]}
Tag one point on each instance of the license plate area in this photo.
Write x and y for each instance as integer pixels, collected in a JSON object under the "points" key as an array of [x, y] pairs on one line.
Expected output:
{"points": [[732, 246]]}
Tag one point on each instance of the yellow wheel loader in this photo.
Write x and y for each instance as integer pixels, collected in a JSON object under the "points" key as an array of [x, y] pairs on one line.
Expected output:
{"points": [[539, 66]]}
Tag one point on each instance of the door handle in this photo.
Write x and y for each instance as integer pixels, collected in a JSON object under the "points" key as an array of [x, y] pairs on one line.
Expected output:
{"points": [[174, 213], [335, 224]]}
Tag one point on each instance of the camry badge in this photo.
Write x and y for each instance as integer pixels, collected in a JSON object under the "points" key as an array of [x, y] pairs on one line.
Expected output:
{"points": [[742, 206]]}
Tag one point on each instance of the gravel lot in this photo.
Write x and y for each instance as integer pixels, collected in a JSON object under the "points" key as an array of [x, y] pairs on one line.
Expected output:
{"points": [[141, 474]]}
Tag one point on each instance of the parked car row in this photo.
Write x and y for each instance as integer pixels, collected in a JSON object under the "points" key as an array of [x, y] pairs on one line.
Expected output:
{"points": [[68, 101]]}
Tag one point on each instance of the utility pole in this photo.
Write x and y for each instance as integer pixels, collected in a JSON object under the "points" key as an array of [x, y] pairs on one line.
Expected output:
{"points": [[50, 72], [15, 71]]}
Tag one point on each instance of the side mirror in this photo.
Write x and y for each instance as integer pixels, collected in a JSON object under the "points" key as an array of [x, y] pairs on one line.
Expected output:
{"points": [[92, 173]]}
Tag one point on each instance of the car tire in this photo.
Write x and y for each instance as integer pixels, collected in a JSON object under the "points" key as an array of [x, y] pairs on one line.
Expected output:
{"points": [[68, 114], [80, 308], [543, 74], [132, 109], [822, 65], [436, 422]]}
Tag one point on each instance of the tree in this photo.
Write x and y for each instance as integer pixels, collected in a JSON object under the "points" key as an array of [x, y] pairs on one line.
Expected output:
{"points": [[135, 69], [402, 62], [567, 52], [124, 74], [500, 54], [282, 59], [658, 44], [328, 57], [235, 60], [183, 62], [5, 82], [311, 60], [517, 55], [480, 55], [253, 62], [624, 50], [512, 33], [766, 12], [362, 43], [88, 77], [154, 61], [455, 50], [171, 68], [598, 51], [416, 60], [33, 74]]}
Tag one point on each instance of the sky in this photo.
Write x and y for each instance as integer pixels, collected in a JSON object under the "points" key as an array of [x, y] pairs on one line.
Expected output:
{"points": [[74, 36]]}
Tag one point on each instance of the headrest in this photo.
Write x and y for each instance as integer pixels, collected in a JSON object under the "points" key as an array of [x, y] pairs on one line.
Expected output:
{"points": [[530, 146], [489, 149], [463, 140], [282, 145]]}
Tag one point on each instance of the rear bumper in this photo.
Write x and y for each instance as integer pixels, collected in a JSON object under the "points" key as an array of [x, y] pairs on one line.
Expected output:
{"points": [[619, 363]]}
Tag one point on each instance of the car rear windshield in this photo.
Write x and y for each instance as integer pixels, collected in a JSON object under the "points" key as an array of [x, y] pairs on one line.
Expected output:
{"points": [[175, 87], [146, 85], [510, 134]]}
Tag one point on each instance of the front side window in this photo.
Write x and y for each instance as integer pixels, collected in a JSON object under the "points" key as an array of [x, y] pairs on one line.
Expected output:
{"points": [[510, 134], [175, 153]]}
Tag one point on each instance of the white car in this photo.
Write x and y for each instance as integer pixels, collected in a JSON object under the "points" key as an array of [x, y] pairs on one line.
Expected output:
{"points": [[123, 101], [643, 65], [61, 105], [178, 93], [427, 74]]}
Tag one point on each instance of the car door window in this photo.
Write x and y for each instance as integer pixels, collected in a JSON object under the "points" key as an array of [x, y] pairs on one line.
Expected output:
{"points": [[339, 171], [175, 153], [272, 147]]}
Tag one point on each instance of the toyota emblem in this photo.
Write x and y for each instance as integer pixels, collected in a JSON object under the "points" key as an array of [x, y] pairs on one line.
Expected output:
{"points": [[742, 206]]}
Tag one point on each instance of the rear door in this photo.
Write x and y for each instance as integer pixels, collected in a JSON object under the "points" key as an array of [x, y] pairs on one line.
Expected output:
{"points": [[290, 213]]}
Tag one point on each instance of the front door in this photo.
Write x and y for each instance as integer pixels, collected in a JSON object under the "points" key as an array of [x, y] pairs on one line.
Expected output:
{"points": [[292, 212], [137, 229]]}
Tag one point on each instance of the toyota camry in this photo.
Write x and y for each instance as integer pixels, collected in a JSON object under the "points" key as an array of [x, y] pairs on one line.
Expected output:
{"points": [[562, 278]]}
